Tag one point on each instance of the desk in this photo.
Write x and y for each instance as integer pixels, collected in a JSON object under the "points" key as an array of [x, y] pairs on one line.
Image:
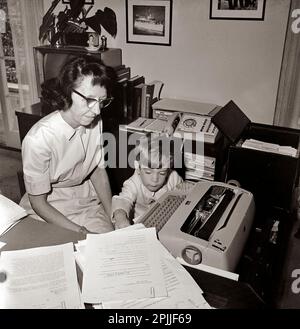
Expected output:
{"points": [[219, 292]]}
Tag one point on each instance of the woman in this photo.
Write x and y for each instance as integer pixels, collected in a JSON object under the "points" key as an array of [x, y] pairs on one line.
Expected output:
{"points": [[63, 159]]}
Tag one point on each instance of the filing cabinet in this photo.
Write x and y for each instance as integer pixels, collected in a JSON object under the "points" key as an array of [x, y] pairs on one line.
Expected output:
{"points": [[271, 177]]}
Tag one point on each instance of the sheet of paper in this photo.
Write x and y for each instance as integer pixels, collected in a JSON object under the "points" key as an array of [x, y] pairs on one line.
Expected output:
{"points": [[80, 246], [10, 213], [122, 265], [183, 291], [210, 269], [2, 244], [43, 277], [269, 147]]}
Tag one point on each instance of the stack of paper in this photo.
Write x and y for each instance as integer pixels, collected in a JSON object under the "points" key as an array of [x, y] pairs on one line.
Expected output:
{"points": [[42, 277], [269, 147], [10, 213], [130, 268]]}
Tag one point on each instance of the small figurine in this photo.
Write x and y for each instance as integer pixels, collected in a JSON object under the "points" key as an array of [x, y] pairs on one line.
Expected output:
{"points": [[103, 42]]}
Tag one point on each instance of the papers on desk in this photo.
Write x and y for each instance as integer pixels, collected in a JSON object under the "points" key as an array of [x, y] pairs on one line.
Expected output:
{"points": [[42, 277], [122, 265], [183, 291], [269, 147], [129, 268], [10, 213], [80, 246]]}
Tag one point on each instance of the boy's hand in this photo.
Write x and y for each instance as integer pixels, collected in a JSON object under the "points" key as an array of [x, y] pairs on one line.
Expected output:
{"points": [[121, 224], [120, 219]]}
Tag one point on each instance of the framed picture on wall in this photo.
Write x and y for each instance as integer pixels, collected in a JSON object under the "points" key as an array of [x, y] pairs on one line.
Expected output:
{"points": [[149, 22], [238, 9]]}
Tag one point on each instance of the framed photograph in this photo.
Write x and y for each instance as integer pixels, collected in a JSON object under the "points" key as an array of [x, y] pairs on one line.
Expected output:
{"points": [[238, 9], [149, 21], [86, 2], [92, 40]]}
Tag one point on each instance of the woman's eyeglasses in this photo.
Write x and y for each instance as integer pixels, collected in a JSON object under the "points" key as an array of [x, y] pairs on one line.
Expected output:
{"points": [[91, 102]]}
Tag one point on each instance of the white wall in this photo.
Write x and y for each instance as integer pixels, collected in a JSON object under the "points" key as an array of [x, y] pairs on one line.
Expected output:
{"points": [[211, 60]]}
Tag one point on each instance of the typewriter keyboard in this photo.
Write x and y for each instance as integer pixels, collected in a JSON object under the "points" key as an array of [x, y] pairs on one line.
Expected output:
{"points": [[161, 212]]}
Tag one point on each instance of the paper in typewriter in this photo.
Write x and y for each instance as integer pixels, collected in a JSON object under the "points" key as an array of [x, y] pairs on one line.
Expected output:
{"points": [[122, 265]]}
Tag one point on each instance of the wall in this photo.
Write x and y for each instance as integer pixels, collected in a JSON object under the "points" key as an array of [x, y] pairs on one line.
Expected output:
{"points": [[211, 60]]}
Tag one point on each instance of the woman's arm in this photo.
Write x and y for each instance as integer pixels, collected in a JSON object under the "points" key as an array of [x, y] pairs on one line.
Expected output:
{"points": [[101, 184], [51, 215]]}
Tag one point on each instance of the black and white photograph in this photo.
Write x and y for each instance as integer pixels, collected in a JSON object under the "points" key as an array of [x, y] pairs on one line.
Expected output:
{"points": [[237, 9], [149, 159], [93, 41], [149, 21]]}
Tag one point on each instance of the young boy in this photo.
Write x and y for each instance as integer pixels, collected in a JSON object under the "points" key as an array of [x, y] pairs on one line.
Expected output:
{"points": [[152, 178]]}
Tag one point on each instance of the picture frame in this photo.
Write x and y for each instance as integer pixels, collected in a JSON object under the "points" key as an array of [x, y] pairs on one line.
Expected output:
{"points": [[149, 22], [86, 2], [237, 9], [93, 41]]}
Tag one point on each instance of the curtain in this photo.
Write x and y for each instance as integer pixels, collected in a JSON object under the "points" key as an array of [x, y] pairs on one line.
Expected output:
{"points": [[287, 111], [25, 20]]}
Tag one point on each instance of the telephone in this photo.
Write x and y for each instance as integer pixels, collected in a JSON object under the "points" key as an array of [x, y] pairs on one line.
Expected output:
{"points": [[193, 126]]}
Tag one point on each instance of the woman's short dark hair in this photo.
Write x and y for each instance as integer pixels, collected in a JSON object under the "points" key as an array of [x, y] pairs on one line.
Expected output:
{"points": [[56, 92]]}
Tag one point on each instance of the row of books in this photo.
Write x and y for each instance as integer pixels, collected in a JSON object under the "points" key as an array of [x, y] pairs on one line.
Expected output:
{"points": [[135, 95]]}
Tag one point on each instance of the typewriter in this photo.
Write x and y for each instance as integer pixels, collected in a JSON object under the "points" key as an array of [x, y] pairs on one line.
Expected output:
{"points": [[209, 224]]}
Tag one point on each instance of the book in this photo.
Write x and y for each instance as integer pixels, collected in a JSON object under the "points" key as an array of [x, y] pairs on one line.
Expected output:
{"points": [[123, 73], [122, 96], [149, 99], [133, 81], [157, 89], [143, 100], [137, 100]]}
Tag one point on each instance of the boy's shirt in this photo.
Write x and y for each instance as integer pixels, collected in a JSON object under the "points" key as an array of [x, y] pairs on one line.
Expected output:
{"points": [[135, 196]]}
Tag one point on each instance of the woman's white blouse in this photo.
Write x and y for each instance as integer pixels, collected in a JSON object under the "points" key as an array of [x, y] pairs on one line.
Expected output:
{"points": [[56, 155]]}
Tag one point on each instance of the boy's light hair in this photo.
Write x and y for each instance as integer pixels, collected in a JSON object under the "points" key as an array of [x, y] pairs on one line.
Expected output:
{"points": [[155, 151]]}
